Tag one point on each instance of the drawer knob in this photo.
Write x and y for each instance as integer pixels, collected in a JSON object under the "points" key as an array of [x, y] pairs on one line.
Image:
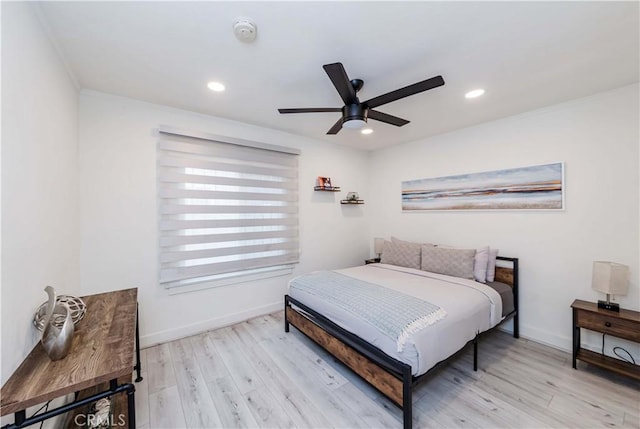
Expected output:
{"points": [[607, 324]]}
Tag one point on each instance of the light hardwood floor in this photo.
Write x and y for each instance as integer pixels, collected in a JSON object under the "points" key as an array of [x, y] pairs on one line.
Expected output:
{"points": [[253, 375]]}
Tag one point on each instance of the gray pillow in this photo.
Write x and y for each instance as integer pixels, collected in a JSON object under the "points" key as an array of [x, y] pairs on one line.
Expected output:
{"points": [[402, 254], [480, 263], [451, 262], [397, 240]]}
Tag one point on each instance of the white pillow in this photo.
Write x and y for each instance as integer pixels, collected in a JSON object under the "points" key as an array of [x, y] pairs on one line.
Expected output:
{"points": [[491, 265], [481, 264]]}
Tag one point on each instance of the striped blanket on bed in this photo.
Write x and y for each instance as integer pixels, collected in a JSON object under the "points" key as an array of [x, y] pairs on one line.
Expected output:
{"points": [[394, 314]]}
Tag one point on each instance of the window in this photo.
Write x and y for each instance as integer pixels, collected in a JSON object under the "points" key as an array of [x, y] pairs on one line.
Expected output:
{"points": [[228, 207]]}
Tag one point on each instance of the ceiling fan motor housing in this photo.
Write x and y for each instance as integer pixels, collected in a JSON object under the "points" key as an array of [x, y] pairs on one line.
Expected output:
{"points": [[352, 112]]}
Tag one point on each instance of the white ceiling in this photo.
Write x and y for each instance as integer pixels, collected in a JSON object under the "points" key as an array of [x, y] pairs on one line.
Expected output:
{"points": [[524, 54]]}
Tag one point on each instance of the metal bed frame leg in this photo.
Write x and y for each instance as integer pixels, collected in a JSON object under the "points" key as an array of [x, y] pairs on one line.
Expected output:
{"points": [[407, 398], [286, 322], [475, 353], [137, 367]]}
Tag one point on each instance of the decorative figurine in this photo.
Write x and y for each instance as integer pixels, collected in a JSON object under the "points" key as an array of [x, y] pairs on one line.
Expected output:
{"points": [[56, 338]]}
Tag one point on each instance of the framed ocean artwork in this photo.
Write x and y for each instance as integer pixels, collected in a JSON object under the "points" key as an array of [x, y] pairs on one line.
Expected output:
{"points": [[539, 187]]}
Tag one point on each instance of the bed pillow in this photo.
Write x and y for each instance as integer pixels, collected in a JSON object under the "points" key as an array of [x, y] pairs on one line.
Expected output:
{"points": [[480, 262], [403, 254], [451, 262], [491, 265], [397, 240]]}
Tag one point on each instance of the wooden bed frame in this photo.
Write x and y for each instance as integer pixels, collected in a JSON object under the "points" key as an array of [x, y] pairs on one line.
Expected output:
{"points": [[390, 376]]}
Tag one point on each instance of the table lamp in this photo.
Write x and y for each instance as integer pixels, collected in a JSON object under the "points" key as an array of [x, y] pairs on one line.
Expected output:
{"points": [[378, 243], [610, 278]]}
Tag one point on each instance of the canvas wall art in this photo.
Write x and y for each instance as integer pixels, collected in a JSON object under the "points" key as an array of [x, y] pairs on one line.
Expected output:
{"points": [[539, 187]]}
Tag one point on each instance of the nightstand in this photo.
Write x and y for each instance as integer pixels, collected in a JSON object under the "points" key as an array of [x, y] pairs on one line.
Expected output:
{"points": [[625, 324], [371, 261]]}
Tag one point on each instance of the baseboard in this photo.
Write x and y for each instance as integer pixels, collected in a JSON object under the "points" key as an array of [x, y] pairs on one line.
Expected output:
{"points": [[564, 343], [207, 325], [528, 332], [547, 338]]}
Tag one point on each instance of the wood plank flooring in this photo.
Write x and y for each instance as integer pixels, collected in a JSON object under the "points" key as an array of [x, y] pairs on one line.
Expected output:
{"points": [[253, 375]]}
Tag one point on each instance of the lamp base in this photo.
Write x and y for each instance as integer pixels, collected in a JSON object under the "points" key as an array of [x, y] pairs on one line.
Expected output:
{"points": [[611, 306]]}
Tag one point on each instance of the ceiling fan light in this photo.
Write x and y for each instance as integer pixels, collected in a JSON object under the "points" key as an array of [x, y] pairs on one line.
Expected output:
{"points": [[354, 124], [366, 131]]}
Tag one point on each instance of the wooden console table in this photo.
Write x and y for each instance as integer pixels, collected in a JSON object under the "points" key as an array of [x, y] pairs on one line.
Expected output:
{"points": [[102, 352], [624, 324]]}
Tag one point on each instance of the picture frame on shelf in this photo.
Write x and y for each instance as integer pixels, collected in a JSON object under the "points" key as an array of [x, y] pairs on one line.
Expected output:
{"points": [[324, 182]]}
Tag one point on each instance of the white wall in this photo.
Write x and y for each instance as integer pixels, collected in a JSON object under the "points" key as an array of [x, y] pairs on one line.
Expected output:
{"points": [[39, 179], [118, 228], [597, 138]]}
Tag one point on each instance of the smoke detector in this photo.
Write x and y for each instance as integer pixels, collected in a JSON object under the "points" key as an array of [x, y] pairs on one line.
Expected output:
{"points": [[245, 29]]}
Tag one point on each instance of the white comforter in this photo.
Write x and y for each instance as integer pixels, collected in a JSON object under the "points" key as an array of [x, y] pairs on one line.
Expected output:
{"points": [[471, 307]]}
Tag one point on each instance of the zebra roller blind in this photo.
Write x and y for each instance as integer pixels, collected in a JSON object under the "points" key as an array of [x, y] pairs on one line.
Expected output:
{"points": [[226, 207]]}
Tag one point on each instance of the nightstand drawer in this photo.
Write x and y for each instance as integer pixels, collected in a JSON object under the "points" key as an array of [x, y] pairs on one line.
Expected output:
{"points": [[611, 325]]}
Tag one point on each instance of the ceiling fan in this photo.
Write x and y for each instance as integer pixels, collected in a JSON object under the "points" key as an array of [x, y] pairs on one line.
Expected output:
{"points": [[356, 113]]}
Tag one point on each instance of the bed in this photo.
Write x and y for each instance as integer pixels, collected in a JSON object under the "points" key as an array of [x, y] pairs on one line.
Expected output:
{"points": [[395, 360]]}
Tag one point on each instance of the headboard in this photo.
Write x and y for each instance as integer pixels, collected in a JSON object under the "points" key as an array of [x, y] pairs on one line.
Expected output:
{"points": [[510, 275]]}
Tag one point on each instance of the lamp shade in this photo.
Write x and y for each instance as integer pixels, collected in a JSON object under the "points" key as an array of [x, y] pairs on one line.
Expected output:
{"points": [[609, 277], [378, 243]]}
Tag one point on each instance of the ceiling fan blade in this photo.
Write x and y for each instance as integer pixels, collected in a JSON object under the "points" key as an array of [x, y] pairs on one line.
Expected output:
{"points": [[405, 92], [340, 80], [388, 119], [336, 127], [311, 110]]}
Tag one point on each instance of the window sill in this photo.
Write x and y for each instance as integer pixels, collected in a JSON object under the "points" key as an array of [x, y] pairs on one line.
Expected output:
{"points": [[242, 278]]}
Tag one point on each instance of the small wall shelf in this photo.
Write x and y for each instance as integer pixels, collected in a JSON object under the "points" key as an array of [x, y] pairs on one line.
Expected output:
{"points": [[327, 189], [351, 201]]}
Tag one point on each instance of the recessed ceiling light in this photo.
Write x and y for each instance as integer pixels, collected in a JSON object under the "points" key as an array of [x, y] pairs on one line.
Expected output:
{"points": [[215, 86], [366, 131], [475, 93]]}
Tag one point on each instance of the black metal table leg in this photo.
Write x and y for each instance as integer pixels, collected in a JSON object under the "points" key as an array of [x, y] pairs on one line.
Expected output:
{"points": [[576, 338], [20, 417], [131, 406]]}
